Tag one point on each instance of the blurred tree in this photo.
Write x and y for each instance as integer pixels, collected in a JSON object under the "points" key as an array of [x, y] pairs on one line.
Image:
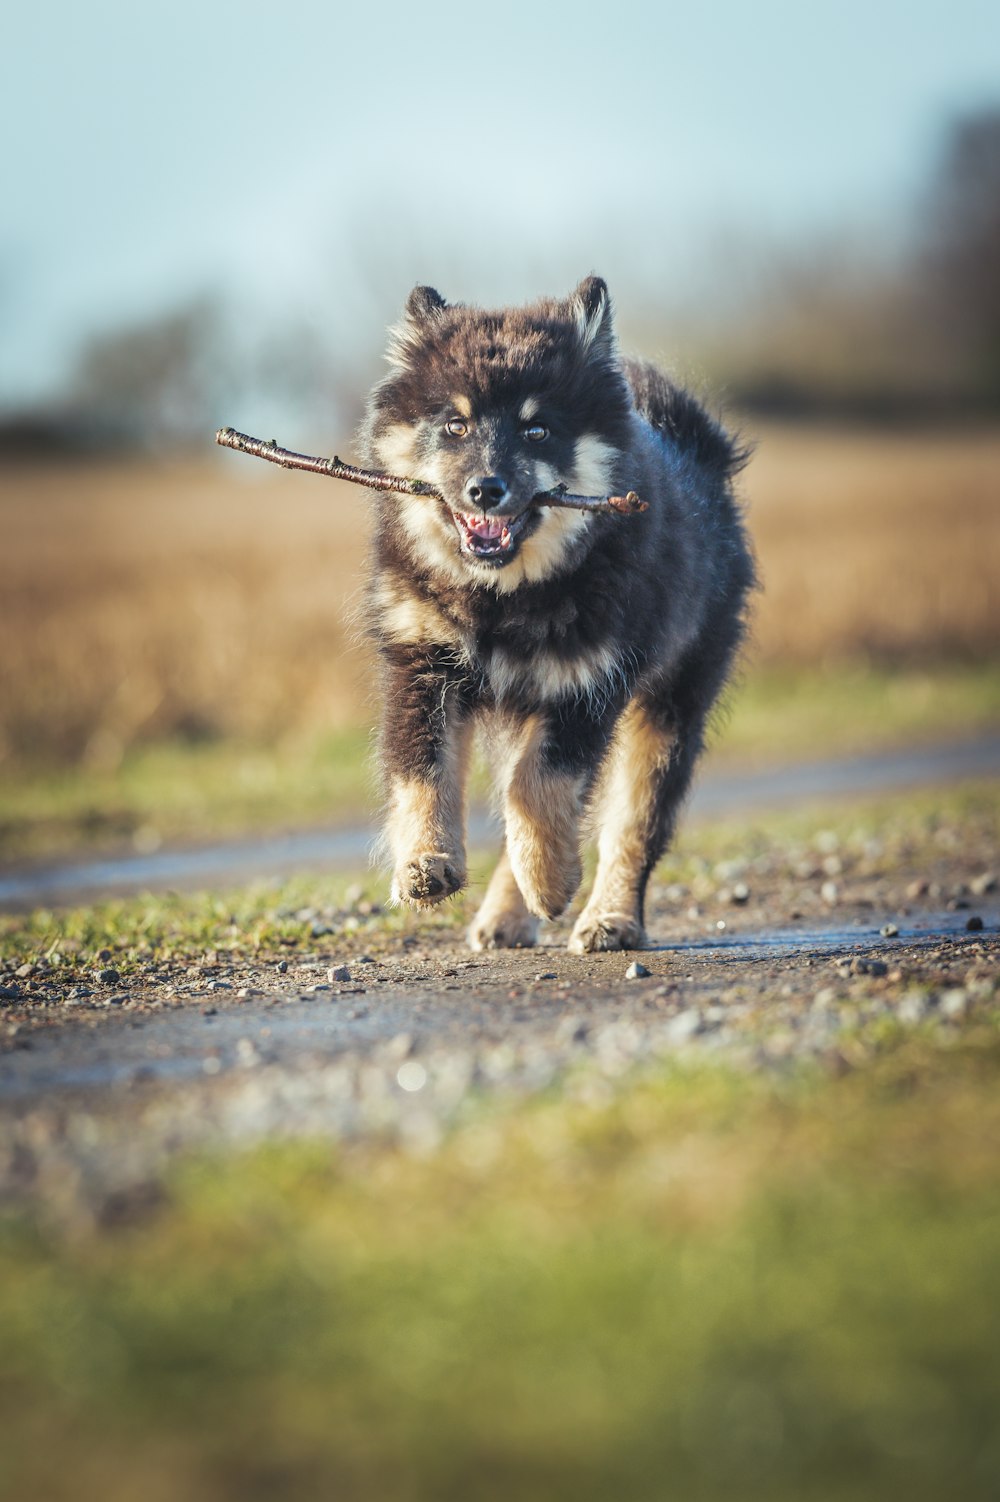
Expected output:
{"points": [[154, 380], [961, 254]]}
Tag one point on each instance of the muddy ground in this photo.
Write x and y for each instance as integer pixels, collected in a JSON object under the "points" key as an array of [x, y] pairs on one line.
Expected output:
{"points": [[364, 1025]]}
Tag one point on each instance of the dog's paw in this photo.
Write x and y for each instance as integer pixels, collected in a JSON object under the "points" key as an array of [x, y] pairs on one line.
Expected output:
{"points": [[503, 930], [596, 931], [426, 879]]}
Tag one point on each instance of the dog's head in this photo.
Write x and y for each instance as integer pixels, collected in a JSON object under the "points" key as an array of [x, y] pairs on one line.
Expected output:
{"points": [[491, 409]]}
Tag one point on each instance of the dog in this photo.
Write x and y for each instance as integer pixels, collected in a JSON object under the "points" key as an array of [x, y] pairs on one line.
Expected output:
{"points": [[588, 648]]}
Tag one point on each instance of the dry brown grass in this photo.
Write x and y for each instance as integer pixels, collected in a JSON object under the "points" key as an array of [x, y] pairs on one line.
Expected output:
{"points": [[222, 598], [875, 544]]}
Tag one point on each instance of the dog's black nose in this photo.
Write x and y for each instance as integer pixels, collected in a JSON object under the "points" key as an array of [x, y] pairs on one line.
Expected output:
{"points": [[486, 490]]}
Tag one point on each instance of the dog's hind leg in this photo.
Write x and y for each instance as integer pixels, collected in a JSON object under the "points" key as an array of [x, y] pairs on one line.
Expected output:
{"points": [[503, 920], [647, 774]]}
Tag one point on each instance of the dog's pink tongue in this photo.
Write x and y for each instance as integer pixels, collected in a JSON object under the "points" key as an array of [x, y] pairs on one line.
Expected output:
{"points": [[487, 527]]}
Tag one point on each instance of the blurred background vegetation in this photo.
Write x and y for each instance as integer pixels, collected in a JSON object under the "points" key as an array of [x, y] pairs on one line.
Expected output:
{"points": [[183, 630]]}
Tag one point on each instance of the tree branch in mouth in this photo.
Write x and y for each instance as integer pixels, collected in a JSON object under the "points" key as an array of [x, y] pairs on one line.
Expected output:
{"points": [[259, 448]]}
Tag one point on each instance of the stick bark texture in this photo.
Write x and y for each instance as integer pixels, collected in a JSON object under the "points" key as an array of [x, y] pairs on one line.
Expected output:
{"points": [[259, 448]]}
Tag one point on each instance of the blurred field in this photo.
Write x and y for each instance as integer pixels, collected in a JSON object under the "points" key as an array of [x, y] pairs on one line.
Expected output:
{"points": [[190, 635], [223, 599]]}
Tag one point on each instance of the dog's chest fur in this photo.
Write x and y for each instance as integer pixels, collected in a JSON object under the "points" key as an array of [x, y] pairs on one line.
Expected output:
{"points": [[566, 636]]}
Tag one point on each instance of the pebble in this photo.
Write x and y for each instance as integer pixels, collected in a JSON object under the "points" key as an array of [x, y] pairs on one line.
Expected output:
{"points": [[546, 975], [338, 972], [829, 892], [918, 888], [9, 993], [636, 971], [282, 967], [23, 971], [741, 893], [861, 966], [974, 924], [889, 931], [979, 886], [108, 977]]}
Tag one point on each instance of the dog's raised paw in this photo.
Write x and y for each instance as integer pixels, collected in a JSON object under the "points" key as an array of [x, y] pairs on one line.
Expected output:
{"points": [[596, 932], [427, 879]]}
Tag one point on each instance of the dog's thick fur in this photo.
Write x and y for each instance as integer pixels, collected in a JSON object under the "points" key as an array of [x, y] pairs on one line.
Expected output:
{"points": [[588, 648]]}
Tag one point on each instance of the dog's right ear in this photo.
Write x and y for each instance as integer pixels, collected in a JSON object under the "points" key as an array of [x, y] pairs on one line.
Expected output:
{"points": [[423, 304]]}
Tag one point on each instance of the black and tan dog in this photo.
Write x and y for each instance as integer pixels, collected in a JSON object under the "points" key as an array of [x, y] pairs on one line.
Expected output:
{"points": [[588, 648]]}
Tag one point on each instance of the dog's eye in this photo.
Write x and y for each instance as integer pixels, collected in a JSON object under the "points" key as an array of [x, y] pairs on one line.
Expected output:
{"points": [[456, 427], [536, 432]]}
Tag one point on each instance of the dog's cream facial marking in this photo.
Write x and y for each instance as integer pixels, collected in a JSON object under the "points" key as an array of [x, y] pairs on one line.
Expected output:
{"points": [[396, 449], [593, 466], [461, 405], [625, 798], [530, 408]]}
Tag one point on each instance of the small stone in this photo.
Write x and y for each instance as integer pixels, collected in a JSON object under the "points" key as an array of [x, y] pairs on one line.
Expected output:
{"points": [[320, 930], [338, 972], [636, 971], [918, 888], [546, 975], [861, 966], [979, 886], [9, 993], [829, 892], [889, 931], [741, 893], [282, 967], [23, 971], [108, 977], [974, 924], [104, 954]]}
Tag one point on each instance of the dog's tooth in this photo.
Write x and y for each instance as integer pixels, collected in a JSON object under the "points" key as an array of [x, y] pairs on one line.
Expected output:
{"points": [[505, 537]]}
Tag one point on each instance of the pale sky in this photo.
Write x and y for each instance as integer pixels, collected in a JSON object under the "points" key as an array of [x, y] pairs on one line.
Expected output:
{"points": [[311, 158]]}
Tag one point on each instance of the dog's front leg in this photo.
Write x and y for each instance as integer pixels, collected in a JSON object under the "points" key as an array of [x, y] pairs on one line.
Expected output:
{"points": [[424, 746], [545, 787]]}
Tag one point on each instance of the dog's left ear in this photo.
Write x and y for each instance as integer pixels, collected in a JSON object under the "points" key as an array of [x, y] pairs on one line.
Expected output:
{"points": [[591, 307]]}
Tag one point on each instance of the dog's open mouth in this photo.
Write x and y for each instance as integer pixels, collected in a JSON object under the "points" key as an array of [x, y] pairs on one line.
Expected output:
{"points": [[492, 539]]}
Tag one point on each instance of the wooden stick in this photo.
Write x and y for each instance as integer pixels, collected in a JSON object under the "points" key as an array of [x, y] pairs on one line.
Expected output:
{"points": [[259, 448]]}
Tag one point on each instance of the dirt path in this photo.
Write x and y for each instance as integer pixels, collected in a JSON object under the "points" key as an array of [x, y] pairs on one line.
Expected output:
{"points": [[717, 793]]}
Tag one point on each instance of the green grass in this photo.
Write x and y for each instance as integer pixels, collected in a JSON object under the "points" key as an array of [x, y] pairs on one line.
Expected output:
{"points": [[876, 836], [181, 792], [710, 1286], [698, 1282]]}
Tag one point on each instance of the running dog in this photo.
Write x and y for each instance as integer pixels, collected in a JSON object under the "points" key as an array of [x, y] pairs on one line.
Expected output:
{"points": [[588, 648]]}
